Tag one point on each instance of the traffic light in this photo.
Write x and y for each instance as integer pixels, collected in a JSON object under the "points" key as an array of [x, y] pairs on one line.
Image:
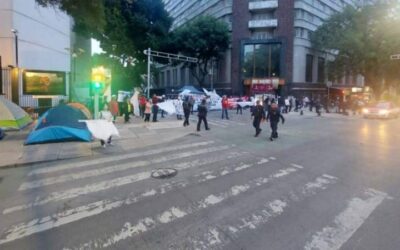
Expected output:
{"points": [[98, 80]]}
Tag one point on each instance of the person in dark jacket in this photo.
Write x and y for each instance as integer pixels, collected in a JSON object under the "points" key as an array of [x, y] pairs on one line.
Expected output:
{"points": [[238, 107], [202, 114], [126, 109], [258, 115], [273, 116], [191, 103], [187, 108], [155, 107]]}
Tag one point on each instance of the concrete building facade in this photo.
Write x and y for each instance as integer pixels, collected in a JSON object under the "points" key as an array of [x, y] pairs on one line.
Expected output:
{"points": [[270, 42], [45, 43]]}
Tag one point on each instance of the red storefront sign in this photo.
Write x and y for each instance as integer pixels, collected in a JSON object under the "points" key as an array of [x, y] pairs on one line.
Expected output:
{"points": [[259, 88]]}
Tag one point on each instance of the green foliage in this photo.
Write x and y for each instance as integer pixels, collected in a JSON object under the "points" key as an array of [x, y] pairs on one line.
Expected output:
{"points": [[124, 28], [90, 13], [363, 39], [205, 38]]}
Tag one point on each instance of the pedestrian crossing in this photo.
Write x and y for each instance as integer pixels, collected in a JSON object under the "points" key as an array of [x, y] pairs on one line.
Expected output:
{"points": [[220, 194], [219, 123]]}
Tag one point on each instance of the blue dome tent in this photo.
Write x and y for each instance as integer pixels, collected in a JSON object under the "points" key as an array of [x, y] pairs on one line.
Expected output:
{"points": [[60, 124]]}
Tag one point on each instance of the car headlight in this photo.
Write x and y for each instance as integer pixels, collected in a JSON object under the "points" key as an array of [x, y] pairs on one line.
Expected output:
{"points": [[383, 112], [365, 111]]}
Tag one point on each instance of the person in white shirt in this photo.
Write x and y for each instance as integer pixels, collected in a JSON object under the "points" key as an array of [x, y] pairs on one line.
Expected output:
{"points": [[105, 114]]}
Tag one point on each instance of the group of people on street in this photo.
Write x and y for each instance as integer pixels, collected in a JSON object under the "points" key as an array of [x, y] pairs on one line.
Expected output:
{"points": [[273, 116]]}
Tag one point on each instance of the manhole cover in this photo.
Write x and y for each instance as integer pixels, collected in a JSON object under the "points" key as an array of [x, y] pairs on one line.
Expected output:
{"points": [[163, 173]]}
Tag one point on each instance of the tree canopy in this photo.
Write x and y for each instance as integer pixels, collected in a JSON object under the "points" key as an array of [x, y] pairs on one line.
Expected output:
{"points": [[124, 28], [91, 12], [204, 38], [363, 40]]}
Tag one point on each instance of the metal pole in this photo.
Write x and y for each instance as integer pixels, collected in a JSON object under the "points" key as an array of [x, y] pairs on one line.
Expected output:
{"points": [[16, 50], [96, 105], [148, 71]]}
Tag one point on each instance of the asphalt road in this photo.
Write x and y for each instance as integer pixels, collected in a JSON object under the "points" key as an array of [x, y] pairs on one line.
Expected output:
{"points": [[328, 182]]}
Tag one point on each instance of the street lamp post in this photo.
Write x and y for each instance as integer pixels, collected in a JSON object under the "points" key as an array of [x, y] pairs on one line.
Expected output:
{"points": [[16, 45]]}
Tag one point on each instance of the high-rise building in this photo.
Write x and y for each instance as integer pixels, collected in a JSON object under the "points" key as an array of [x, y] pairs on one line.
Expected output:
{"points": [[270, 43]]}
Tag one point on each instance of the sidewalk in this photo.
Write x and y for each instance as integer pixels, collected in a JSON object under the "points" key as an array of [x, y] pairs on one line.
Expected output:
{"points": [[134, 135]]}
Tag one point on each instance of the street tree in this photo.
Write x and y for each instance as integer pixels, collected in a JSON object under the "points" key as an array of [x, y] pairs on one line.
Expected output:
{"points": [[90, 13], [124, 28], [362, 39], [204, 38]]}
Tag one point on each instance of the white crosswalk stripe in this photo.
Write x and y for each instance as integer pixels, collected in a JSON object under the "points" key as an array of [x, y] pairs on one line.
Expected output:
{"points": [[113, 183], [221, 123], [130, 229], [271, 209], [74, 165], [213, 178], [347, 222], [113, 169]]}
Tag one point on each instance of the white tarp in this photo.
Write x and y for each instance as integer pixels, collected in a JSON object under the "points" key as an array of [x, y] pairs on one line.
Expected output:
{"points": [[135, 102], [167, 106], [101, 129], [246, 104]]}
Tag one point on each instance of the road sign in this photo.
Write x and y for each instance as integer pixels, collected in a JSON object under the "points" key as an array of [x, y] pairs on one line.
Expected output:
{"points": [[395, 57]]}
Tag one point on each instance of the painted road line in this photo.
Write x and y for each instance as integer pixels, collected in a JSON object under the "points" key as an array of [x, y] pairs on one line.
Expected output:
{"points": [[74, 165], [347, 222], [96, 208], [227, 122], [116, 168], [212, 123], [269, 210], [297, 166], [113, 183], [130, 230]]}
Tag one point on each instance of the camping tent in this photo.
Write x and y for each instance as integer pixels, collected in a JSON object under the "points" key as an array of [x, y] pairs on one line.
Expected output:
{"points": [[58, 124], [82, 108], [12, 116]]}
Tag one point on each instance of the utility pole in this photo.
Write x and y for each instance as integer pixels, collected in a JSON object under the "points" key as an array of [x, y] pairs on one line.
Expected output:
{"points": [[152, 53], [148, 71]]}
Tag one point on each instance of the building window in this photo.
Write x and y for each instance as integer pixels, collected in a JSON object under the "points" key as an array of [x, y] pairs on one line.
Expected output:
{"points": [[321, 70], [174, 77], [261, 60], [183, 75], [309, 68], [168, 80], [161, 78]]}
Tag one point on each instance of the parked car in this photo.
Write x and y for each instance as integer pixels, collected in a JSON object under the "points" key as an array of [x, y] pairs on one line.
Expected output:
{"points": [[384, 110]]}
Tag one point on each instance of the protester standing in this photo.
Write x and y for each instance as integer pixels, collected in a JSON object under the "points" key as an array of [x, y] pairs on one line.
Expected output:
{"points": [[142, 105], [154, 101], [202, 114], [225, 106], [258, 114], [239, 108], [178, 108], [105, 114], [186, 111], [191, 103], [114, 108], [273, 117], [126, 109], [147, 111]]}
